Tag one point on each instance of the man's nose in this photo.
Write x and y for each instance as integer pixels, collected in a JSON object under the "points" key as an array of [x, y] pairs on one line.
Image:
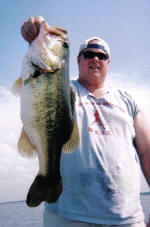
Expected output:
{"points": [[95, 58]]}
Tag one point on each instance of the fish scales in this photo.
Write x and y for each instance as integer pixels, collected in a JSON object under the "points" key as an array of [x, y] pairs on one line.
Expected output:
{"points": [[47, 106], [50, 115], [50, 110]]}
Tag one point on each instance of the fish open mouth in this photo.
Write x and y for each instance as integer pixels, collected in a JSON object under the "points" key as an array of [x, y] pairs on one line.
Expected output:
{"points": [[56, 31]]}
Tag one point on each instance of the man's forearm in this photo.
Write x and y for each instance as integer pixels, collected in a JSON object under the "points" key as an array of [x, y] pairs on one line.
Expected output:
{"points": [[145, 165]]}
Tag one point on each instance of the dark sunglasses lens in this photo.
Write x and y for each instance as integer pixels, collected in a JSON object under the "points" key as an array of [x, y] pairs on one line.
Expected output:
{"points": [[90, 55], [102, 56]]}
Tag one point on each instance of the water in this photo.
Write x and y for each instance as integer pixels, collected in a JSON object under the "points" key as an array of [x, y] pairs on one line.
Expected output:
{"points": [[145, 201], [17, 214]]}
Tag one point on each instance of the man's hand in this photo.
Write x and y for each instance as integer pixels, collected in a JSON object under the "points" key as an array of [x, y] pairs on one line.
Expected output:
{"points": [[31, 27]]}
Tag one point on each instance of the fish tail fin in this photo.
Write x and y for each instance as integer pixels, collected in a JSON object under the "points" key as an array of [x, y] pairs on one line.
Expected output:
{"points": [[41, 190], [73, 140]]}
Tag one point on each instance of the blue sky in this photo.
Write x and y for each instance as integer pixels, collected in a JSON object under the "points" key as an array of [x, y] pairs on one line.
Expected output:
{"points": [[124, 24]]}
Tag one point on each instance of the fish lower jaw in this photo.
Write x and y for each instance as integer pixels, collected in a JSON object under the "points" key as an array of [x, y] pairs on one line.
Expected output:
{"points": [[51, 63]]}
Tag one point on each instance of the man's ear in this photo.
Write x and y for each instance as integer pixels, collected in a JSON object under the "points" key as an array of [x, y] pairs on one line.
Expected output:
{"points": [[108, 61], [78, 59]]}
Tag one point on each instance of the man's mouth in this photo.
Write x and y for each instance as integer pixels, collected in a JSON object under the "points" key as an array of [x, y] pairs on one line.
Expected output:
{"points": [[94, 67]]}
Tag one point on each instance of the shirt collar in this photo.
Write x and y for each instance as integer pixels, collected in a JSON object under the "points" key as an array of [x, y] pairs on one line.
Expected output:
{"points": [[85, 92]]}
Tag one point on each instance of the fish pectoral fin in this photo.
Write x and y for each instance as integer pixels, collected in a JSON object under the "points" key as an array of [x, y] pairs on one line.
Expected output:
{"points": [[16, 87], [73, 140], [25, 147]]}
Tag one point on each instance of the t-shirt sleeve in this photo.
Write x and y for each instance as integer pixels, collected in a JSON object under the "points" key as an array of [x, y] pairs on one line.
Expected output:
{"points": [[132, 106]]}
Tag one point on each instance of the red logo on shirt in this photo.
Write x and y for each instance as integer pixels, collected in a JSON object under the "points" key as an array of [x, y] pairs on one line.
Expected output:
{"points": [[101, 129], [98, 120]]}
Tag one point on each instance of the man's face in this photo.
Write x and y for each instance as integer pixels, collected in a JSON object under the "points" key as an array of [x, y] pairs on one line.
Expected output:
{"points": [[92, 71]]}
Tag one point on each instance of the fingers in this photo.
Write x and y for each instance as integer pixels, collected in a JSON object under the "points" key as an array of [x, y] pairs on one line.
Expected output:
{"points": [[39, 20], [31, 27]]}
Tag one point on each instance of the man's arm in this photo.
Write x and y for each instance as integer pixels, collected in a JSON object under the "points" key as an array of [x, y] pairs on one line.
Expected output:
{"points": [[142, 143]]}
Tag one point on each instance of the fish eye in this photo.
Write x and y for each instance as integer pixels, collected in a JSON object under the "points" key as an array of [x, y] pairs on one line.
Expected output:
{"points": [[65, 44]]}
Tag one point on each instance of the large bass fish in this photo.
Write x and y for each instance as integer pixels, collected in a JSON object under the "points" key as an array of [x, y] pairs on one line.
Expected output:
{"points": [[47, 111]]}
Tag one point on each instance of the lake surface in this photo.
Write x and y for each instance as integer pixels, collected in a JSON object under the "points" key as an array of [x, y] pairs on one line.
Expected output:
{"points": [[17, 214]]}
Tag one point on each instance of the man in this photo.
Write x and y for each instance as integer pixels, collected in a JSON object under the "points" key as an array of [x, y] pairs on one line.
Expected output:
{"points": [[101, 185]]}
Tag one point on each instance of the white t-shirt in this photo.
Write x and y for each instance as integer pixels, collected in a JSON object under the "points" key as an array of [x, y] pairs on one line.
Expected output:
{"points": [[101, 180]]}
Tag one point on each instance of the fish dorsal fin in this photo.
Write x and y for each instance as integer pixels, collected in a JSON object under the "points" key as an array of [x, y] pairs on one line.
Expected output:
{"points": [[73, 140], [25, 147], [16, 88]]}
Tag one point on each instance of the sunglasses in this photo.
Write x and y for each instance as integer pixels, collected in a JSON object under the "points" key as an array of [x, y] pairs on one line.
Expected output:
{"points": [[91, 54]]}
